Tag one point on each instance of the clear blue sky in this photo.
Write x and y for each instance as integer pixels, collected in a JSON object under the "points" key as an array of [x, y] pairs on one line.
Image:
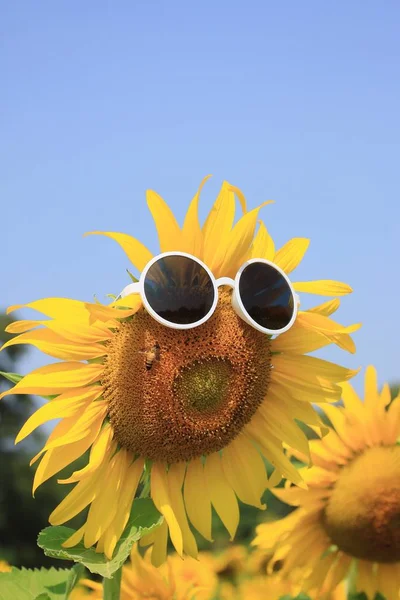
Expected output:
{"points": [[295, 101]]}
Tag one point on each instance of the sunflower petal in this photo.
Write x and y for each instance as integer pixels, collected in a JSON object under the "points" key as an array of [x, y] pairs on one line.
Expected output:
{"points": [[291, 254], [137, 253], [192, 235], [245, 471], [217, 227], [65, 405], [127, 495], [199, 512], [175, 478], [161, 499], [326, 308], [169, 232], [238, 243], [159, 550], [56, 308], [221, 494], [263, 245], [323, 287], [55, 345], [57, 378]]}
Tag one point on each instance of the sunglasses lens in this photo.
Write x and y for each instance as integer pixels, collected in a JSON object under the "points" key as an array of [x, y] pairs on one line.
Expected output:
{"points": [[179, 290], [266, 296]]}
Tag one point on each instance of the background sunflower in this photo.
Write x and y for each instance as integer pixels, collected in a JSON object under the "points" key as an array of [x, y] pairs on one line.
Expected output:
{"points": [[347, 522]]}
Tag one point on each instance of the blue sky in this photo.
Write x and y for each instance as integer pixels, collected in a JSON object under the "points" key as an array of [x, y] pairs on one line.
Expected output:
{"points": [[298, 102]]}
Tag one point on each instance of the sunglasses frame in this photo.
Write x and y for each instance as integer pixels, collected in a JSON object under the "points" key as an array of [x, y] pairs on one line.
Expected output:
{"points": [[237, 304]]}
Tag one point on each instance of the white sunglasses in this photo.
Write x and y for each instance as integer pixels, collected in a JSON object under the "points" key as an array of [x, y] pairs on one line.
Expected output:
{"points": [[179, 291]]}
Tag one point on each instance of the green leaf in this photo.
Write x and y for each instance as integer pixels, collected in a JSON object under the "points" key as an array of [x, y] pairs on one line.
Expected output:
{"points": [[144, 517], [13, 377], [36, 584], [75, 575], [358, 596], [132, 276]]}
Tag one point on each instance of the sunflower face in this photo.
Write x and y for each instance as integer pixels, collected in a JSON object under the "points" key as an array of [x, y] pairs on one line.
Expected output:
{"points": [[362, 516], [352, 507], [206, 385], [192, 411]]}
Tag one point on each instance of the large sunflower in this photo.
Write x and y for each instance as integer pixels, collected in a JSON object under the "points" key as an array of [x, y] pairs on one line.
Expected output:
{"points": [[195, 428], [349, 519]]}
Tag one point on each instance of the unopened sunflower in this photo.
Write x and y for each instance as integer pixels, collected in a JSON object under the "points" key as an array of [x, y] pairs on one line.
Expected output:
{"points": [[180, 385], [348, 521]]}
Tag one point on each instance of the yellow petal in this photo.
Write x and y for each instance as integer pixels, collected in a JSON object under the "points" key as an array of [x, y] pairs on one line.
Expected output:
{"points": [[217, 227], [324, 324], [169, 232], [98, 453], [221, 494], [56, 308], [299, 340], [370, 387], [104, 507], [56, 346], [137, 253], [133, 301], [323, 287], [55, 460], [175, 478], [21, 326], [310, 368], [65, 405], [279, 423], [56, 378], [199, 512], [238, 243], [105, 313], [271, 448], [161, 499], [326, 308], [245, 471], [291, 254], [75, 538], [91, 419], [127, 495], [263, 245], [159, 551], [240, 196], [79, 498], [192, 235]]}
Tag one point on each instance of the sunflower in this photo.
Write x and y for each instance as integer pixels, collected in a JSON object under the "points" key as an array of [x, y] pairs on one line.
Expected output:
{"points": [[221, 397], [349, 519], [176, 579]]}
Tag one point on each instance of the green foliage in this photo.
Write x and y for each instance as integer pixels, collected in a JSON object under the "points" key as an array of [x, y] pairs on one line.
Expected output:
{"points": [[36, 584], [75, 574], [13, 377], [144, 517]]}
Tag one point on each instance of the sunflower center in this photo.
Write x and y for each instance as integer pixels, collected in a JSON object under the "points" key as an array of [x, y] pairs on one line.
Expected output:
{"points": [[178, 394], [362, 516]]}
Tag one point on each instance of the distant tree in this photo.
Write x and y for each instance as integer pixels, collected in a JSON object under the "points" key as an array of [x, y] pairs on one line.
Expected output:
{"points": [[21, 516]]}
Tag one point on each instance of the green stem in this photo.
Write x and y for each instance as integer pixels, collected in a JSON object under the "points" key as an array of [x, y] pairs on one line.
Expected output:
{"points": [[111, 587]]}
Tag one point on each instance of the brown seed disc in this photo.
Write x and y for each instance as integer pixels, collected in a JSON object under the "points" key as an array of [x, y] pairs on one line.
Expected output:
{"points": [[363, 513], [202, 387]]}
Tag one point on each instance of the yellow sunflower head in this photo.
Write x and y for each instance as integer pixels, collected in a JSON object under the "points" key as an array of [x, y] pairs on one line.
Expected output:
{"points": [[349, 518], [191, 414], [174, 580]]}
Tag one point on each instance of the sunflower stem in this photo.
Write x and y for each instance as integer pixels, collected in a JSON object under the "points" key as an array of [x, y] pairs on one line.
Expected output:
{"points": [[111, 587]]}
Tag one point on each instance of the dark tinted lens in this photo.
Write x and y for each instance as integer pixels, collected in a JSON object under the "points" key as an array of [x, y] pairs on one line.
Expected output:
{"points": [[266, 296], [179, 289]]}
